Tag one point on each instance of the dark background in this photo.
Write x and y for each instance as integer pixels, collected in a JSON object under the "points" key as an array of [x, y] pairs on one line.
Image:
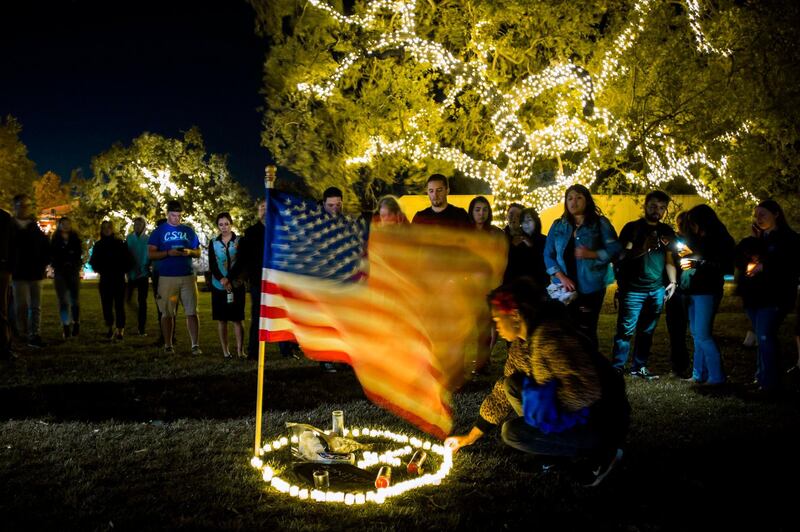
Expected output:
{"points": [[81, 75]]}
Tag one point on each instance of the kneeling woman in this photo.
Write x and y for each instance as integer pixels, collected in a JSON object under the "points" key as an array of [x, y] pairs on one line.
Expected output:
{"points": [[564, 398]]}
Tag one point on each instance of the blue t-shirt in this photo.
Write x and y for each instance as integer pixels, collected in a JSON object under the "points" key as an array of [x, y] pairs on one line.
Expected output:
{"points": [[166, 237]]}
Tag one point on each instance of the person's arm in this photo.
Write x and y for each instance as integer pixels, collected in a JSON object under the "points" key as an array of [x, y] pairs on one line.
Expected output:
{"points": [[128, 260], [235, 269], [55, 263], [672, 275], [551, 259], [611, 245], [454, 443], [154, 254], [44, 247], [93, 260], [193, 249], [212, 262], [626, 242], [495, 406]]}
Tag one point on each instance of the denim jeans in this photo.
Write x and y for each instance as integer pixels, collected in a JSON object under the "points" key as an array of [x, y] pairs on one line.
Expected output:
{"points": [[766, 322], [28, 307], [67, 289], [637, 310], [707, 358]]}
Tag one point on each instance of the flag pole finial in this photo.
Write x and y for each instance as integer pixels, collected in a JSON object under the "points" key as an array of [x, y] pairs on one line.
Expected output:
{"points": [[269, 175]]}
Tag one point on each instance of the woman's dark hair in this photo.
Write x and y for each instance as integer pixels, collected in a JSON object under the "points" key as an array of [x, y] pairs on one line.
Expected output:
{"points": [[222, 215], [530, 211], [592, 214], [523, 294], [475, 201], [680, 223], [706, 221], [777, 211]]}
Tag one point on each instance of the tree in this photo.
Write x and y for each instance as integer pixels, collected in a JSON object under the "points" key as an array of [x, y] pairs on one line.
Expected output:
{"points": [[49, 192], [139, 179], [533, 96], [17, 171]]}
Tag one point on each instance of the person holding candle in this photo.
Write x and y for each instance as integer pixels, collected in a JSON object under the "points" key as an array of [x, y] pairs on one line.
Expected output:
{"points": [[767, 267], [706, 258]]}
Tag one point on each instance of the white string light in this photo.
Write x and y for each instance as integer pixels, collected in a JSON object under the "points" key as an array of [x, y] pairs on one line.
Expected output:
{"points": [[519, 149], [378, 496]]}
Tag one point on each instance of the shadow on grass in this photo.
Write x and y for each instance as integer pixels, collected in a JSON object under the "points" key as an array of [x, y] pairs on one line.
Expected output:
{"points": [[206, 397]]}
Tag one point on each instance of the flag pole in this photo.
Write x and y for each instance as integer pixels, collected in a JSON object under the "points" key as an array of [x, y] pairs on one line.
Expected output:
{"points": [[269, 180]]}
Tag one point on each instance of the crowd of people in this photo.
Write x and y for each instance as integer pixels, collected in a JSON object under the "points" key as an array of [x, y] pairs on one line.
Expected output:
{"points": [[558, 396]]}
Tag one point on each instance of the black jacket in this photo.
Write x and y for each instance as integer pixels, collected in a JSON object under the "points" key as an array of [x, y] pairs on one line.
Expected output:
{"points": [[111, 257], [251, 256], [527, 261], [713, 258], [66, 254], [31, 251], [776, 284]]}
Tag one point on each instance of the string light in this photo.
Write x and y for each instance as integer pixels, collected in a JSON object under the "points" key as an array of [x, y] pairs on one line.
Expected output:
{"points": [[570, 131], [378, 496]]}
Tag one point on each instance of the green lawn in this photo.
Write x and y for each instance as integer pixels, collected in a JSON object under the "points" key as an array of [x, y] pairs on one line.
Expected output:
{"points": [[96, 435]]}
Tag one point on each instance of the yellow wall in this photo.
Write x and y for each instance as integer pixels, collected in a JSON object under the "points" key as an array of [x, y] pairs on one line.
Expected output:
{"points": [[618, 208]]}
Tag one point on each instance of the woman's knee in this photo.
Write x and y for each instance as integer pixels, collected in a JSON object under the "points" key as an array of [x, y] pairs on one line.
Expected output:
{"points": [[510, 433]]}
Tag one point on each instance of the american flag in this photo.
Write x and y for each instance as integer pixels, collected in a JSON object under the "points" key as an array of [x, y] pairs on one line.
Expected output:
{"points": [[404, 315]]}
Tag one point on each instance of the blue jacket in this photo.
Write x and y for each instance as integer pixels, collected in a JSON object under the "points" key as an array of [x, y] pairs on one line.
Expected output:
{"points": [[593, 274]]}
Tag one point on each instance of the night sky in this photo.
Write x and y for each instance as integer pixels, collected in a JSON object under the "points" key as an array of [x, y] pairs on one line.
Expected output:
{"points": [[81, 75]]}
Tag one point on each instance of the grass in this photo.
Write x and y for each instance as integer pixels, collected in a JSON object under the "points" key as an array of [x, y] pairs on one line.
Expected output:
{"points": [[97, 435]]}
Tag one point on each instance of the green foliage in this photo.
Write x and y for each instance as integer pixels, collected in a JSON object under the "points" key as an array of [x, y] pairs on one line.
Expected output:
{"points": [[126, 183], [49, 192], [17, 171], [666, 89]]}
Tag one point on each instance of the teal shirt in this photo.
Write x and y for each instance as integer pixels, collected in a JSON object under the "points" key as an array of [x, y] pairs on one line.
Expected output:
{"points": [[138, 248]]}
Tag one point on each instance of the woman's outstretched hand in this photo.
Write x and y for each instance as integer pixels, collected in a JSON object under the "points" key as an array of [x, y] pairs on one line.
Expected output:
{"points": [[454, 443]]}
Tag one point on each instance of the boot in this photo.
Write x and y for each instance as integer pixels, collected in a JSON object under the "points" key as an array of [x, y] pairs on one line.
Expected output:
{"points": [[65, 333], [76, 328], [119, 334]]}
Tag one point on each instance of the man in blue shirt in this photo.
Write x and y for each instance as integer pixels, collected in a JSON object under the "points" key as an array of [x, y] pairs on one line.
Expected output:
{"points": [[174, 245]]}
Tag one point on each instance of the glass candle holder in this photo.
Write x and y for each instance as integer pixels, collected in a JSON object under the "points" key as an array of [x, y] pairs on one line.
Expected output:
{"points": [[321, 479]]}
